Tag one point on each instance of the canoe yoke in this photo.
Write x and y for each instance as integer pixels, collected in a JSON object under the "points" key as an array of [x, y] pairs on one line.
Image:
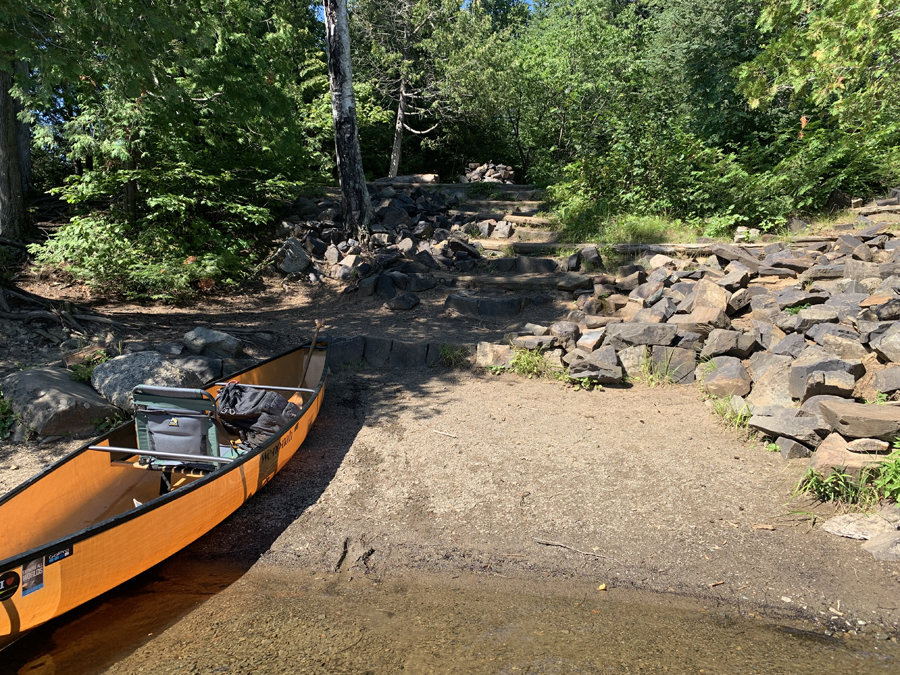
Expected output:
{"points": [[173, 421], [177, 430]]}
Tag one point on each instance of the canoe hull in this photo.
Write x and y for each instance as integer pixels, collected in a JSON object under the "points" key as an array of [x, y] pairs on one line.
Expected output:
{"points": [[77, 569]]}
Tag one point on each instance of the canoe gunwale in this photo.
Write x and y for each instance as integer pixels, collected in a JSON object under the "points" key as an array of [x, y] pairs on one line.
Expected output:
{"points": [[92, 530]]}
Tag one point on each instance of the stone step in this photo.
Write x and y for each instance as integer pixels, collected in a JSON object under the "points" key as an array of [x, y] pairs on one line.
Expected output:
{"points": [[514, 282], [516, 192], [502, 205], [516, 218]]}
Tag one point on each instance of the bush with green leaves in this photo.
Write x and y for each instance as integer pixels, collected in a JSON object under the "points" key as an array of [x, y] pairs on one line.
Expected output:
{"points": [[8, 418], [874, 484]]}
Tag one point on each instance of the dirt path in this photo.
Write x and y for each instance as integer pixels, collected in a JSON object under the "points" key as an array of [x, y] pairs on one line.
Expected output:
{"points": [[453, 475]]}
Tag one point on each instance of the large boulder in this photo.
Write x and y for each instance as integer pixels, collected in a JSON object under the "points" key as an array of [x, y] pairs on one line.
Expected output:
{"points": [[212, 343], [50, 402], [725, 376], [117, 377]]}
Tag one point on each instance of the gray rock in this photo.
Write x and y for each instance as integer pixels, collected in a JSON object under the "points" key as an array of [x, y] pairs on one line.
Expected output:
{"points": [[206, 342], [887, 381], [828, 383], [402, 302], [812, 406], [377, 351], [815, 315], [463, 305], [726, 376], [761, 362], [791, 449], [771, 388], [868, 445], [620, 335], [728, 252], [884, 546], [526, 265], [633, 359], [206, 368], [344, 351], [734, 281], [384, 287], [811, 361], [648, 293], [676, 363], [292, 258], [591, 339], [408, 354], [489, 355], [806, 430], [605, 355], [887, 345], [572, 281], [417, 283], [590, 258], [792, 297], [535, 329], [116, 378], [596, 371], [728, 343], [534, 342], [864, 526], [367, 286], [501, 307], [818, 332], [843, 348], [858, 420], [859, 270], [50, 402], [708, 294]]}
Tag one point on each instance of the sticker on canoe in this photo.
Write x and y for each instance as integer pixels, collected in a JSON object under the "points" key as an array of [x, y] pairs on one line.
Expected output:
{"points": [[9, 584], [56, 557], [33, 576]]}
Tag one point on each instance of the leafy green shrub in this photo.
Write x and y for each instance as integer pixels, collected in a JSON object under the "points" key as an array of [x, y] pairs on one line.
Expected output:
{"points": [[193, 228], [8, 418], [796, 310]]}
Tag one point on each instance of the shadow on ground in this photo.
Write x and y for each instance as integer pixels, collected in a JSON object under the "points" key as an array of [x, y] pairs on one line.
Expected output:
{"points": [[91, 638]]}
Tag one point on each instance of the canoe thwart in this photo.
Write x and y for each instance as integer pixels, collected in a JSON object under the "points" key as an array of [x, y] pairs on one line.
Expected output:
{"points": [[202, 459], [263, 386]]}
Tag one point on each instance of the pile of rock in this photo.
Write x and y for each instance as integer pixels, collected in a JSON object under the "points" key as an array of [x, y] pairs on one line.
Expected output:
{"points": [[489, 173], [414, 233], [791, 337], [49, 403]]}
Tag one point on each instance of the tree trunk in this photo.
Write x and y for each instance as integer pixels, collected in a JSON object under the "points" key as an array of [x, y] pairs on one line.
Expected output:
{"points": [[12, 198], [23, 133], [398, 131], [354, 194]]}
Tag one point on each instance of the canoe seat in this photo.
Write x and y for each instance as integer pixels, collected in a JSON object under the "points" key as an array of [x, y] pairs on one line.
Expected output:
{"points": [[179, 421]]}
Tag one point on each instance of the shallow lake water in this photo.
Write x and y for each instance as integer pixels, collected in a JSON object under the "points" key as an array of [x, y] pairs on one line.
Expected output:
{"points": [[190, 617]]}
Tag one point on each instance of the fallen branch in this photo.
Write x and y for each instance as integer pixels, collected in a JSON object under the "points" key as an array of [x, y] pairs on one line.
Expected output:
{"points": [[571, 548], [444, 433], [15, 244]]}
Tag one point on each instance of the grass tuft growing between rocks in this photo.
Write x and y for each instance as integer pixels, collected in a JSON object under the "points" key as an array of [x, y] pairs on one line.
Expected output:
{"points": [[732, 417], [875, 484], [530, 363], [655, 374], [453, 356]]}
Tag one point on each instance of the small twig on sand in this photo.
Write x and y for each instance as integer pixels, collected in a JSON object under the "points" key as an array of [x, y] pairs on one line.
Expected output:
{"points": [[571, 548], [444, 433]]}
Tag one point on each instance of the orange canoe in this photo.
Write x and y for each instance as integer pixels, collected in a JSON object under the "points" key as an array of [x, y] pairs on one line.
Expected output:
{"points": [[103, 514]]}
